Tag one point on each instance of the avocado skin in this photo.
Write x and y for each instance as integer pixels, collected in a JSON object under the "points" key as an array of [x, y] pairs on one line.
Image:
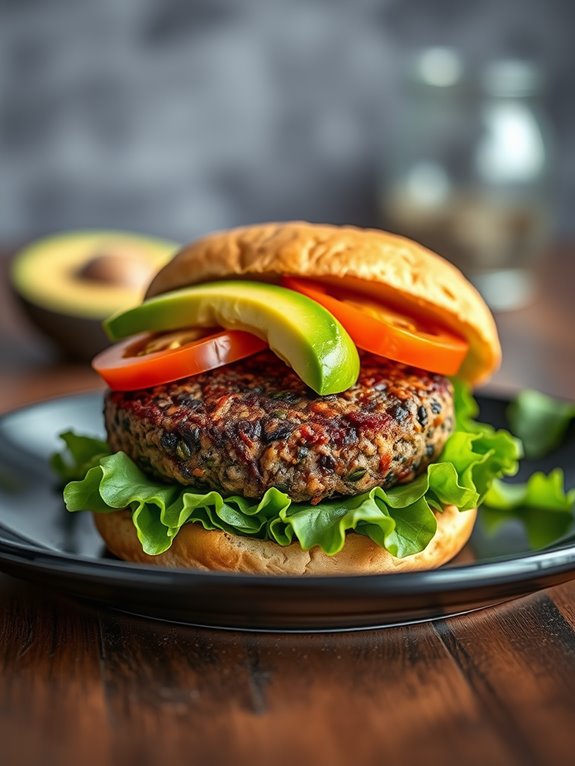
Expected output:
{"points": [[75, 337]]}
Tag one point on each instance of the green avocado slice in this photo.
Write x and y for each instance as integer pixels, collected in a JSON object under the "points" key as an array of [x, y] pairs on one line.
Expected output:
{"points": [[300, 331]]}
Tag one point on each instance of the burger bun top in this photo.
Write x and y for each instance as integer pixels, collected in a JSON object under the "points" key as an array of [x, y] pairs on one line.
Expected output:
{"points": [[380, 264]]}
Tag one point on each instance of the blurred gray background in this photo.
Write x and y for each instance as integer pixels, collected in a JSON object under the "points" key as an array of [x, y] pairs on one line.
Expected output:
{"points": [[176, 117]]}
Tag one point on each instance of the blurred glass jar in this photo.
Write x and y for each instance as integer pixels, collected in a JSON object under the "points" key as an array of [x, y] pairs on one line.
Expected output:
{"points": [[468, 171]]}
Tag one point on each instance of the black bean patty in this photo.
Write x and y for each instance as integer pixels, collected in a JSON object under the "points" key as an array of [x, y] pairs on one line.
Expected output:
{"points": [[245, 427]]}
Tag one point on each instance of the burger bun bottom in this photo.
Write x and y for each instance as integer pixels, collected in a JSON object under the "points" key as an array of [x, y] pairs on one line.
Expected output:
{"points": [[197, 548]]}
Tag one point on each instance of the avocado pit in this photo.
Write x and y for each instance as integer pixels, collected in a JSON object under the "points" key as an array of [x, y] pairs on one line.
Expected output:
{"points": [[117, 266]]}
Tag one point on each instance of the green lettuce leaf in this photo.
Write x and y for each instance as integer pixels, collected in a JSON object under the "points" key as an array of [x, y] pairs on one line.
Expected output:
{"points": [[539, 421], [541, 504], [402, 520], [80, 453]]}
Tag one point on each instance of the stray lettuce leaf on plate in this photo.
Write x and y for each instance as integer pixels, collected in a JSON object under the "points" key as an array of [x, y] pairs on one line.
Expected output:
{"points": [[540, 421], [541, 504]]}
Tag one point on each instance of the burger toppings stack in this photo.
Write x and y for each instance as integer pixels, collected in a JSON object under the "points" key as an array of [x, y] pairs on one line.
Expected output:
{"points": [[293, 399]]}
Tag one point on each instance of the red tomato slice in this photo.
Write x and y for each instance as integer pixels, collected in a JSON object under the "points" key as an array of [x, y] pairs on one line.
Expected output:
{"points": [[379, 328], [149, 359]]}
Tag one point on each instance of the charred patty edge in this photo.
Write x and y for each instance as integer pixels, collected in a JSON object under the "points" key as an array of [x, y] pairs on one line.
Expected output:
{"points": [[245, 428]]}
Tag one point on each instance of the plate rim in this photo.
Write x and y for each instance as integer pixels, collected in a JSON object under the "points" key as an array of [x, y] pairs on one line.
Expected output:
{"points": [[519, 568], [511, 569]]}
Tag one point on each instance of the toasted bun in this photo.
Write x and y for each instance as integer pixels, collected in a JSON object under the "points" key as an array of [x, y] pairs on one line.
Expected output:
{"points": [[369, 260], [196, 548]]}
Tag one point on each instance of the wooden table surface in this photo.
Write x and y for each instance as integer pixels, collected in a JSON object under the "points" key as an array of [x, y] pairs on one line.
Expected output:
{"points": [[88, 686]]}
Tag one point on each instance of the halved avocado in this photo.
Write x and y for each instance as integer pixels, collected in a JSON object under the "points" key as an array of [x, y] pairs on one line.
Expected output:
{"points": [[69, 282]]}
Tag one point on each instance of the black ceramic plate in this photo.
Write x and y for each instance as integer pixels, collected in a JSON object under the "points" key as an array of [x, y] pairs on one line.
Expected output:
{"points": [[41, 542]]}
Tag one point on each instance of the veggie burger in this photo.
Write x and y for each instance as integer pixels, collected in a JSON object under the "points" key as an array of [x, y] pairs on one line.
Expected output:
{"points": [[293, 399]]}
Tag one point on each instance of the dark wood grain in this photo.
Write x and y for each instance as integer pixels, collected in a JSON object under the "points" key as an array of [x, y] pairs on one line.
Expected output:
{"points": [[52, 700], [105, 688], [80, 685], [519, 660]]}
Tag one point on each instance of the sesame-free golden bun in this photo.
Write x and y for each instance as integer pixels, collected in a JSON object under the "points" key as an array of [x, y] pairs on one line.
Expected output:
{"points": [[214, 550], [371, 261]]}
